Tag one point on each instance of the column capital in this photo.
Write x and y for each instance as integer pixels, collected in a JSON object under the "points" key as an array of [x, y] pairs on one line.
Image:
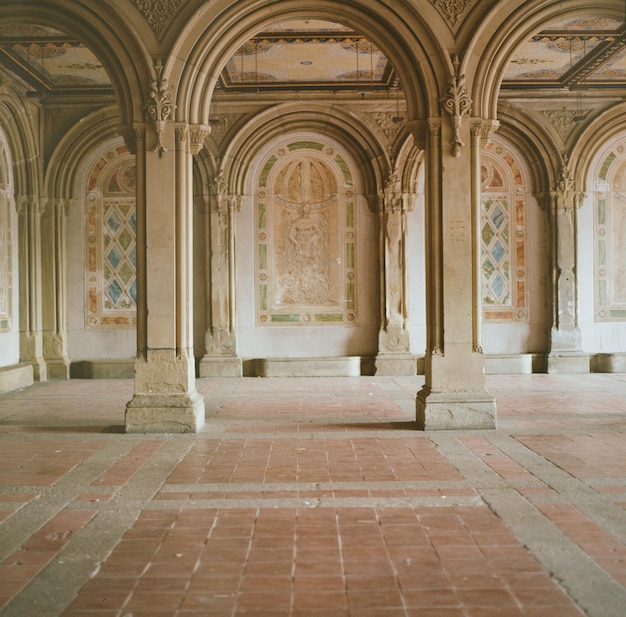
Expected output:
{"points": [[482, 128], [197, 134]]}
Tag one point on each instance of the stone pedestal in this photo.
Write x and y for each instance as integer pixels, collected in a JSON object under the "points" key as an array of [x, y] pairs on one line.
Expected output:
{"points": [[165, 413], [165, 399], [220, 366], [568, 363], [455, 410], [400, 364]]}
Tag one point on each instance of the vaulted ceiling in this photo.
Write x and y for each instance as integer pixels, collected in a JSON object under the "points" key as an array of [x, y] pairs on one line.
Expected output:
{"points": [[314, 55]]}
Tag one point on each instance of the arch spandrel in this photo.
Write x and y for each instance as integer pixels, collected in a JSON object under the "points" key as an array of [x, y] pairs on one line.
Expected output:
{"points": [[196, 60]]}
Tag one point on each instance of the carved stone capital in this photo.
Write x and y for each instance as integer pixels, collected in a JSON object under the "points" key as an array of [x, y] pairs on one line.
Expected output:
{"points": [[483, 129], [197, 134]]}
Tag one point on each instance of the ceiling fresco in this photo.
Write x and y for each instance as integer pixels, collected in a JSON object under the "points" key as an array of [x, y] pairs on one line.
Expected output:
{"points": [[310, 54], [49, 61], [579, 53], [320, 55]]}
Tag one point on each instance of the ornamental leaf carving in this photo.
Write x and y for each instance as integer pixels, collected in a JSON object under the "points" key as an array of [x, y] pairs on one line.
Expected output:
{"points": [[452, 9], [158, 13]]}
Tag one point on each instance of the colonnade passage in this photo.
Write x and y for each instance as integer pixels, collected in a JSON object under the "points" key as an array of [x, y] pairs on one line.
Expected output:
{"points": [[219, 192]]}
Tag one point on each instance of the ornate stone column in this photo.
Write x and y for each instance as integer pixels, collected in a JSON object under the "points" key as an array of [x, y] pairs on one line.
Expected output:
{"points": [[31, 300], [165, 398], [393, 356], [454, 394], [221, 358], [54, 265], [566, 355]]}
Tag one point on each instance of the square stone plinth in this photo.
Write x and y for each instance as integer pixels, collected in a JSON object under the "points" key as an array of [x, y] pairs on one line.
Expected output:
{"points": [[455, 410], [165, 413]]}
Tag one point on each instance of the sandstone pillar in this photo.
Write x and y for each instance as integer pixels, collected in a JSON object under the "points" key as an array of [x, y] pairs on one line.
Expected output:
{"points": [[454, 394], [165, 398], [30, 273], [221, 358], [393, 356], [54, 269], [566, 355]]}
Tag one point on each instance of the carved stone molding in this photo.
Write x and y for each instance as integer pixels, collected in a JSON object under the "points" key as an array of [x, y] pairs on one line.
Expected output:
{"points": [[422, 129], [452, 9], [388, 123], [160, 108], [158, 13], [133, 136], [564, 120], [220, 123]]}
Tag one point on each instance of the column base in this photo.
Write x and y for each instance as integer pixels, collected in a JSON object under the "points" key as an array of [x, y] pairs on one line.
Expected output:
{"points": [[220, 366], [58, 368], [568, 363], [165, 413], [395, 365], [455, 410]]}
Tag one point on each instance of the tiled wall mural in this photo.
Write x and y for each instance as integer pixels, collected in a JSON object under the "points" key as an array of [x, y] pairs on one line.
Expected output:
{"points": [[609, 234], [305, 237], [5, 242], [503, 233], [111, 240]]}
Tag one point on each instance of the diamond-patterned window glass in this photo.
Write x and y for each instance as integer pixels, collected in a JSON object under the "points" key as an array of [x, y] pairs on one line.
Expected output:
{"points": [[503, 235], [609, 234], [6, 268], [111, 240], [305, 221]]}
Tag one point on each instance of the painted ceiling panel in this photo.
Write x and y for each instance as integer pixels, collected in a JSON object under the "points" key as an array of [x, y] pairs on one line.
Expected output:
{"points": [[316, 54]]}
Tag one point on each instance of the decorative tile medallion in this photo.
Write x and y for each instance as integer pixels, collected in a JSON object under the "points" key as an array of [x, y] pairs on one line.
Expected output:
{"points": [[609, 234], [111, 240], [305, 237], [503, 234]]}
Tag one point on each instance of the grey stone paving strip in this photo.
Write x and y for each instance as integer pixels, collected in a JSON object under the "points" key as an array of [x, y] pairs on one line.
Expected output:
{"points": [[317, 502], [52, 499], [383, 485], [49, 594], [599, 507], [591, 587]]}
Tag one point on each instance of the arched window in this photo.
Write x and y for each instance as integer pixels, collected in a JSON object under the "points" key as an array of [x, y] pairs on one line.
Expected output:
{"points": [[609, 234], [503, 234], [111, 240]]}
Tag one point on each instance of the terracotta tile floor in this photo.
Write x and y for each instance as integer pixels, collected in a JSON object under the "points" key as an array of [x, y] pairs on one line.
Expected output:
{"points": [[315, 498]]}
